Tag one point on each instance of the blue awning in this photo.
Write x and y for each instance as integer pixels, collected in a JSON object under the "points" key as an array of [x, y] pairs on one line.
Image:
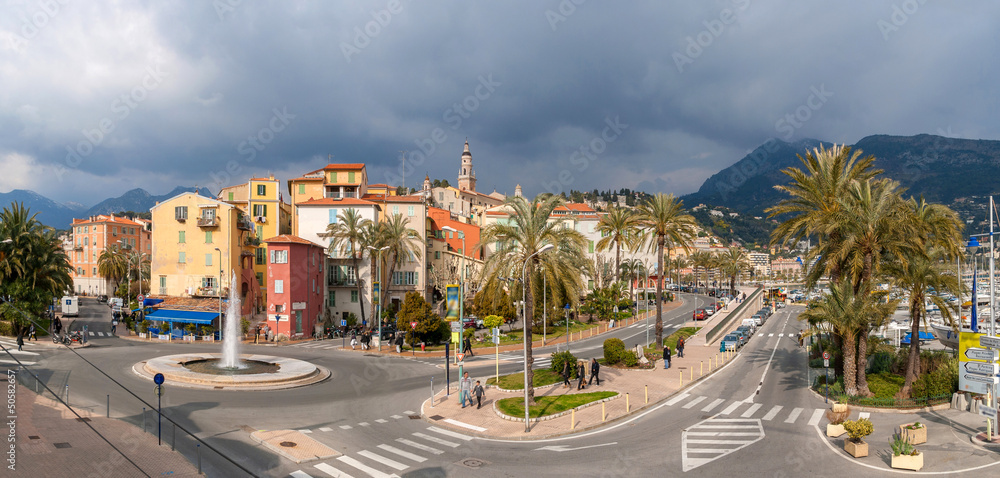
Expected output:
{"points": [[149, 302], [185, 316]]}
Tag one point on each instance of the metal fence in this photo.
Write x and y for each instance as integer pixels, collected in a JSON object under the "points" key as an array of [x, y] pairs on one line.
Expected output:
{"points": [[893, 402]]}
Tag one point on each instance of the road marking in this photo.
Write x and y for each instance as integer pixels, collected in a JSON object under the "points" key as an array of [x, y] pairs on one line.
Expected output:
{"points": [[450, 433], [794, 415], [396, 417], [760, 334], [325, 429], [714, 404], [383, 460], [404, 454], [345, 427], [419, 446], [304, 431], [364, 424], [864, 415], [750, 411], [410, 413], [771, 414], [770, 335], [365, 468], [731, 408], [335, 473], [782, 335], [92, 334], [817, 414], [436, 440], [694, 402], [302, 474], [678, 398], [464, 425], [695, 454], [380, 420]]}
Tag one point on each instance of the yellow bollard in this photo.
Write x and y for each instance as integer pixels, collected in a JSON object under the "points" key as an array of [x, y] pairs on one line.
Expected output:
{"points": [[572, 426], [647, 393], [702, 371], [603, 415], [692, 373], [628, 407], [682, 379]]}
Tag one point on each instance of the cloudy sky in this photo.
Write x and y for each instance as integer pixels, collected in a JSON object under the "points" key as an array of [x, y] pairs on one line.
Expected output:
{"points": [[99, 97]]}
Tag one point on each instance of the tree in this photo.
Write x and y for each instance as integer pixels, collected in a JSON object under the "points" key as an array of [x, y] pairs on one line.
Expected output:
{"points": [[663, 220], [112, 264], [494, 300], [620, 226], [521, 239], [732, 263], [416, 309], [346, 234], [403, 244]]}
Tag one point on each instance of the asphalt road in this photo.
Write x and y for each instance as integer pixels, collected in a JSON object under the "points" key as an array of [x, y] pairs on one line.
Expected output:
{"points": [[363, 411]]}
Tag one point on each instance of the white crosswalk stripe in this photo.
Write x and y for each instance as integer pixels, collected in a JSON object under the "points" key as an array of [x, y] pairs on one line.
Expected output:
{"points": [[404, 454], [714, 438], [731, 408], [437, 440], [750, 411], [673, 401], [714, 404], [325, 429], [302, 474], [694, 402], [383, 460], [771, 414], [335, 473], [817, 414], [419, 446], [345, 427], [793, 416], [363, 467], [450, 433]]}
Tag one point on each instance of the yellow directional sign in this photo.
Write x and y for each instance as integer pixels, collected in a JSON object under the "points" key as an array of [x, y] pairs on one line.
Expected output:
{"points": [[968, 345]]}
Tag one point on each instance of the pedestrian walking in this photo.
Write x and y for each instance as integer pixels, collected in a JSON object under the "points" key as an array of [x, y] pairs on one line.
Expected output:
{"points": [[468, 347], [256, 334], [680, 347], [31, 333], [20, 340], [581, 371], [666, 357], [399, 343], [465, 388], [595, 370], [354, 340], [565, 374], [478, 392]]}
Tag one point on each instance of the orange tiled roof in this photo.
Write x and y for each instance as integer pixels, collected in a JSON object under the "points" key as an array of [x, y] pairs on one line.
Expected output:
{"points": [[383, 197], [103, 218], [378, 186], [332, 201], [344, 166], [288, 238]]}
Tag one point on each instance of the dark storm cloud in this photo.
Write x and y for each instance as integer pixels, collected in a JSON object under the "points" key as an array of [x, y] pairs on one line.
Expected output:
{"points": [[243, 88]]}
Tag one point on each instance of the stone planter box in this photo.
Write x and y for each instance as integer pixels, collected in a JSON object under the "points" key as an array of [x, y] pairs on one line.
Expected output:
{"points": [[208, 338], [839, 407], [915, 436], [908, 462], [857, 450], [834, 430], [188, 338]]}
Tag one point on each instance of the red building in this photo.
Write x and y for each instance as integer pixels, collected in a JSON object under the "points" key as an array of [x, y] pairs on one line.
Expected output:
{"points": [[294, 286]]}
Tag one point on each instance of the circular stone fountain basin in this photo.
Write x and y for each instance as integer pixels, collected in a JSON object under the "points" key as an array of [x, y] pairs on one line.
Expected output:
{"points": [[263, 372]]}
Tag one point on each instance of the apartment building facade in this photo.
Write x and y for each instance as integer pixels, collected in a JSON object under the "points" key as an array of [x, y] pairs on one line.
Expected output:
{"points": [[90, 237]]}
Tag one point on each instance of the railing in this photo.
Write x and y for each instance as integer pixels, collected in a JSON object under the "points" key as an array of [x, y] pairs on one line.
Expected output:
{"points": [[206, 221], [731, 318], [340, 283], [244, 223], [252, 241]]}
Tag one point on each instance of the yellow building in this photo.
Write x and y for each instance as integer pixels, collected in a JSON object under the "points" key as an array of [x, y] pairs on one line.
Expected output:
{"points": [[261, 200], [348, 180], [198, 243]]}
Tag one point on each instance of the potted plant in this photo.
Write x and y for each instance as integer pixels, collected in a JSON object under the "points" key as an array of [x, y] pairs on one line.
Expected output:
{"points": [[915, 433], [857, 430], [837, 416], [904, 455]]}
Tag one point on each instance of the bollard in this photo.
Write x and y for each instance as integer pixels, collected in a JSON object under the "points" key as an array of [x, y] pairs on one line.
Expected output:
{"points": [[647, 393], [432, 391], [702, 371], [604, 416], [682, 379], [173, 438], [198, 447], [67, 394], [628, 407], [144, 419], [692, 373], [109, 406], [572, 426]]}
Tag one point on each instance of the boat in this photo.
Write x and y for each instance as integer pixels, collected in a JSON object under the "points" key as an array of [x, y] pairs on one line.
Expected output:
{"points": [[946, 335]]}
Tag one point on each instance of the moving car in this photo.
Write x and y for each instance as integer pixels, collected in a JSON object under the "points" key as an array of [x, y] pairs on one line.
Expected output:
{"points": [[699, 314], [102, 298]]}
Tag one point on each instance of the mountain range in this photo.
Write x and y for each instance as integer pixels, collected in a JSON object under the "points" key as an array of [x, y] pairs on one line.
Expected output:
{"points": [[60, 216]]}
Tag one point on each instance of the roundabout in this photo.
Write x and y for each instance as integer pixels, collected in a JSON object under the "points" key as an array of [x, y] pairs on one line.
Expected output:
{"points": [[260, 372]]}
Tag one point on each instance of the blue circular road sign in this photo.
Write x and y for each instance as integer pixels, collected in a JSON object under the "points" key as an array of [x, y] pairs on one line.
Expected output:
{"points": [[158, 379]]}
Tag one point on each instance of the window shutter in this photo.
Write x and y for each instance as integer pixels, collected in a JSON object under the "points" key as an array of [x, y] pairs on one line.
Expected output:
{"points": [[333, 216]]}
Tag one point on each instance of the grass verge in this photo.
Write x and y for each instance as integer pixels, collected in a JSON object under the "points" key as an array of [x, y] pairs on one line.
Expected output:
{"points": [[545, 406], [671, 341], [515, 381]]}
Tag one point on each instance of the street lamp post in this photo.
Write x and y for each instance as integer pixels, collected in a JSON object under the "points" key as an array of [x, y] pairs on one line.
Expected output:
{"points": [[461, 287], [378, 301], [527, 330], [219, 287]]}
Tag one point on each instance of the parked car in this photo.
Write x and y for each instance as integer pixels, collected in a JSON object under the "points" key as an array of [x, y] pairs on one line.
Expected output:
{"points": [[699, 314], [102, 298], [744, 332], [758, 319], [730, 342], [469, 323], [710, 310]]}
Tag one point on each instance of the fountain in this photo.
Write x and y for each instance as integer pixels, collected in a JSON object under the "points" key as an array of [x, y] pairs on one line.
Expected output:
{"points": [[230, 370]]}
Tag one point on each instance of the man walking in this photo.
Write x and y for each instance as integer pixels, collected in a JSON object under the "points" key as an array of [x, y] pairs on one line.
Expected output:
{"points": [[595, 370], [666, 357], [468, 347], [20, 340], [565, 374], [581, 371], [399, 343], [465, 387], [478, 392], [680, 347], [31, 333]]}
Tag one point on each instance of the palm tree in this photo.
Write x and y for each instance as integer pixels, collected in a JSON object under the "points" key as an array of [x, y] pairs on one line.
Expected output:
{"points": [[630, 269], [701, 260], [522, 238], [112, 264], [403, 244], [663, 220], [732, 263], [620, 226], [347, 233]]}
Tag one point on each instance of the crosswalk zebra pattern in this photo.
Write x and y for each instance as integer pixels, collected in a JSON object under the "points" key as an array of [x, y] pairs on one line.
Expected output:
{"points": [[318, 344], [642, 324], [746, 410], [386, 459], [101, 334], [714, 438], [515, 357]]}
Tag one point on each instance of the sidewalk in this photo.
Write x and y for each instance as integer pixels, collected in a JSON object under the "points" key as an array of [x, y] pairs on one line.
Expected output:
{"points": [[633, 386]]}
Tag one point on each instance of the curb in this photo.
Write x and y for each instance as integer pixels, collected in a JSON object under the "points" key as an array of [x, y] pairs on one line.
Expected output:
{"points": [[890, 411], [557, 415]]}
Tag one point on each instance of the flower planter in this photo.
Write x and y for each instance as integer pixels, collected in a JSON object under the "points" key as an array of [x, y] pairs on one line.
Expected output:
{"points": [[835, 430], [857, 450], [915, 436], [839, 407], [908, 462]]}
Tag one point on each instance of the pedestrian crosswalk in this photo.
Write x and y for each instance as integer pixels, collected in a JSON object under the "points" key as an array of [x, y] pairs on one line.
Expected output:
{"points": [[715, 438], [101, 334], [516, 357], [745, 410], [642, 324], [318, 344], [386, 459]]}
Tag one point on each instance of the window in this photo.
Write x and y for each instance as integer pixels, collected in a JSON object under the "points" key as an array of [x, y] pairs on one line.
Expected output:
{"points": [[230, 196], [260, 232], [298, 321], [333, 216], [590, 246], [260, 210], [114, 231], [409, 211], [79, 271], [208, 259], [260, 279], [441, 196], [208, 214], [181, 213], [279, 257], [395, 210], [180, 237], [208, 237], [333, 176], [86, 241], [451, 235], [180, 257], [404, 278], [208, 283], [302, 188], [94, 272], [163, 283], [261, 190], [279, 308], [437, 254], [258, 254], [354, 297], [332, 300], [279, 287], [351, 276], [350, 177]]}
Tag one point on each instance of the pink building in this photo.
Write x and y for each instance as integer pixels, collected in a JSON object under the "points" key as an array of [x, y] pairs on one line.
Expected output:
{"points": [[294, 286]]}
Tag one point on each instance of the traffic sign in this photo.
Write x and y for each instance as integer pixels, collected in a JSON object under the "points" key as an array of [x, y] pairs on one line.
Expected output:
{"points": [[139, 298], [974, 377], [158, 379], [826, 363], [826, 355], [456, 326], [988, 412], [413, 325], [343, 323], [981, 368], [496, 335], [989, 341], [158, 391], [460, 356], [986, 355]]}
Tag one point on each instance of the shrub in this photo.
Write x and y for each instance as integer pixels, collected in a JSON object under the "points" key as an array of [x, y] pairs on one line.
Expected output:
{"points": [[558, 359], [614, 348], [881, 362], [816, 363], [940, 381], [6, 328], [838, 418], [857, 430], [467, 333], [901, 445], [629, 358], [885, 385]]}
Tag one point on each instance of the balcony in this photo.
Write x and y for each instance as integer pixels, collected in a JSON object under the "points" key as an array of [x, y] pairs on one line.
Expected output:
{"points": [[252, 241], [340, 283], [243, 223], [205, 292], [208, 221]]}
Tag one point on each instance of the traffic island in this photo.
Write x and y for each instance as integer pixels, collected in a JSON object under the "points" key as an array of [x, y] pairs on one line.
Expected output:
{"points": [[294, 445]]}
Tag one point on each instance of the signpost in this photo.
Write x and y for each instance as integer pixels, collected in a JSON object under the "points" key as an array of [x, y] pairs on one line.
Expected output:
{"points": [[989, 341], [988, 412], [970, 352], [981, 368], [826, 365], [496, 342], [158, 380], [986, 355], [975, 377]]}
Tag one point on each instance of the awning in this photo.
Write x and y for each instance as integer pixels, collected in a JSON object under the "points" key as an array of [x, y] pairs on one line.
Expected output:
{"points": [[149, 302], [185, 316]]}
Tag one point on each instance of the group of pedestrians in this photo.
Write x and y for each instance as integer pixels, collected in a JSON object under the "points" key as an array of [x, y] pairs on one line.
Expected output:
{"points": [[666, 352], [581, 373], [467, 391]]}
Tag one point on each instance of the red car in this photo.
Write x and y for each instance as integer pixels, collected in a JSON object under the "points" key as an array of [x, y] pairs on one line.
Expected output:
{"points": [[699, 314]]}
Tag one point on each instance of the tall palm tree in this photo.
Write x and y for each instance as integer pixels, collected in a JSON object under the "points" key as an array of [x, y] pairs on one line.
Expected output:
{"points": [[112, 264], [521, 238], [347, 233], [619, 227], [701, 260], [403, 244], [732, 263], [663, 220], [630, 269]]}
